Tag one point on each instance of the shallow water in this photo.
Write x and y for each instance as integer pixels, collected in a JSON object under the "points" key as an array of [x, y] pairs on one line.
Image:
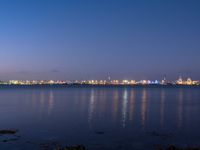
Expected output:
{"points": [[107, 118]]}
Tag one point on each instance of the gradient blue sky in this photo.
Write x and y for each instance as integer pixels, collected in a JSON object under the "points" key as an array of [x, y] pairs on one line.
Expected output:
{"points": [[82, 39]]}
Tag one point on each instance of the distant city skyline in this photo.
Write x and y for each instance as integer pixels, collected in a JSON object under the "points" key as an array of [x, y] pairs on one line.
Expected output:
{"points": [[109, 81], [84, 40]]}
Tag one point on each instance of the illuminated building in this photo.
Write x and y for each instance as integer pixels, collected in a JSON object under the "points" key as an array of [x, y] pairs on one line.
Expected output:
{"points": [[189, 81], [132, 82], [144, 82], [179, 81], [164, 82], [125, 82]]}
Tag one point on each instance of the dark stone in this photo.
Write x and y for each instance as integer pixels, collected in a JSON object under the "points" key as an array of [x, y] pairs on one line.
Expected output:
{"points": [[99, 132], [18, 136], [10, 140], [172, 147], [5, 141], [8, 131], [28, 141], [78, 147], [158, 147]]}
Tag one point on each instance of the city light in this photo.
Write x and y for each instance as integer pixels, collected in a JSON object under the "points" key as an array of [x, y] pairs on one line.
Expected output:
{"points": [[180, 81]]}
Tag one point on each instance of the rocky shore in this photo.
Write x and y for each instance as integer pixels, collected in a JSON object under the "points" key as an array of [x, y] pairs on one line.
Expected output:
{"points": [[55, 146]]}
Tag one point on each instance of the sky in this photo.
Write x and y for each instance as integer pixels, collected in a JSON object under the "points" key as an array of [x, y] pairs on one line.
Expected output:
{"points": [[94, 39]]}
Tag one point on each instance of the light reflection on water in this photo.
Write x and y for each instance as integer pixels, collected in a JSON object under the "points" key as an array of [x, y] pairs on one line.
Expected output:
{"points": [[162, 108], [124, 107], [50, 102], [115, 103], [143, 106], [180, 108], [132, 105], [91, 106], [125, 113]]}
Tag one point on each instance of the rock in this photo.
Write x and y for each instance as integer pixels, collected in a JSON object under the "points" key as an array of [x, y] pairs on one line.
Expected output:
{"points": [[8, 131], [78, 147], [5, 141], [99, 132], [172, 147], [158, 147], [10, 140]]}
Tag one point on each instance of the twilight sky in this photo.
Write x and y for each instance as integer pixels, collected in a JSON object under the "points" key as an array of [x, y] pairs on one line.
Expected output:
{"points": [[94, 39]]}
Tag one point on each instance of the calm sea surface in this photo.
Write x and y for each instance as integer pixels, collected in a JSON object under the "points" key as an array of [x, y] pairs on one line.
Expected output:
{"points": [[100, 118]]}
